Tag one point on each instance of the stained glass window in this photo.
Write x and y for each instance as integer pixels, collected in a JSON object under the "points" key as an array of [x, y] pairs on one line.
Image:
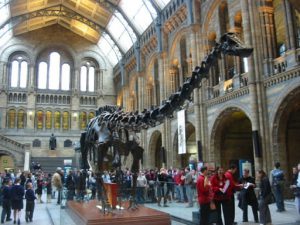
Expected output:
{"points": [[11, 118], [39, 119], [57, 120], [66, 120], [91, 115], [83, 120], [21, 119], [48, 120]]}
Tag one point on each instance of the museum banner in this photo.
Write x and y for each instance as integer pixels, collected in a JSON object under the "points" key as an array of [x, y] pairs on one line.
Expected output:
{"points": [[181, 132]]}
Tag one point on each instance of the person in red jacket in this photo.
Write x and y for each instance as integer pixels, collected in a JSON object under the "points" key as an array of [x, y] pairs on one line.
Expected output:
{"points": [[233, 186], [204, 195], [220, 185]]}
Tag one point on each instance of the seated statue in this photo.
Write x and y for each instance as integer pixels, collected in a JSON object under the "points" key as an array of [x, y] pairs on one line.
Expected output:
{"points": [[52, 142]]}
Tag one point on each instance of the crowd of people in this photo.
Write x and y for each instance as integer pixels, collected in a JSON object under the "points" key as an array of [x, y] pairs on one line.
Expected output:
{"points": [[213, 191], [216, 194]]}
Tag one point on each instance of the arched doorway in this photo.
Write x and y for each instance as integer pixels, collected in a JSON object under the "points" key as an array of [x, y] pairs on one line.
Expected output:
{"points": [[286, 132], [232, 139], [183, 160], [155, 149], [6, 163]]}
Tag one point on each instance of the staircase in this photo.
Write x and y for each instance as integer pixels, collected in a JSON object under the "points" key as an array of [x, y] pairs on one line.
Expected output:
{"points": [[49, 164]]}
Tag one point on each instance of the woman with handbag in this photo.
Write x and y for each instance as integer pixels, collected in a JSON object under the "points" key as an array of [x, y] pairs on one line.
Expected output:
{"points": [[264, 198]]}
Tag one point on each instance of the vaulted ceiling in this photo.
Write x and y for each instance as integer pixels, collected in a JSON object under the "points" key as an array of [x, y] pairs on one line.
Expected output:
{"points": [[112, 24]]}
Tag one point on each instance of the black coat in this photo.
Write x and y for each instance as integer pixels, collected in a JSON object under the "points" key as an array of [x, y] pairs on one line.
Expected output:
{"points": [[265, 187]]}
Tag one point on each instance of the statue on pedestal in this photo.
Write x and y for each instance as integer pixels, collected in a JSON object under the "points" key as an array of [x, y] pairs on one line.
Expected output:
{"points": [[52, 142]]}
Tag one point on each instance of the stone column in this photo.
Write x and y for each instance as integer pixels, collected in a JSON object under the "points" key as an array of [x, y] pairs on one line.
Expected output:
{"points": [[289, 28], [253, 83], [31, 80], [141, 92]]}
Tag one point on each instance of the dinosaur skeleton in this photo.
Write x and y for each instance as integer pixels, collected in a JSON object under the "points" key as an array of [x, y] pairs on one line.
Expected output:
{"points": [[112, 126]]}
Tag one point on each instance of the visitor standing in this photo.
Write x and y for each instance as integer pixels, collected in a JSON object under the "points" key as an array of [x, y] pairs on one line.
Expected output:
{"points": [[30, 197], [70, 185], [247, 196], [233, 186], [277, 181], [39, 189], [296, 187], [17, 193], [49, 188], [264, 198], [6, 200], [220, 185], [204, 195], [57, 183]]}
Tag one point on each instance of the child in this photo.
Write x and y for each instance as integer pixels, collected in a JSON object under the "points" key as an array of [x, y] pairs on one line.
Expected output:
{"points": [[30, 197], [49, 188], [6, 204]]}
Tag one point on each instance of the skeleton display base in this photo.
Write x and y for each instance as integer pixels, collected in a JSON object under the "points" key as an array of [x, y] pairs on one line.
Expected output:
{"points": [[88, 214]]}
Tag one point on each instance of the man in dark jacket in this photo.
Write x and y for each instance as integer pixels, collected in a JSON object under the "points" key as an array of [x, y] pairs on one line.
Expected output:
{"points": [[247, 196], [70, 185], [6, 204]]}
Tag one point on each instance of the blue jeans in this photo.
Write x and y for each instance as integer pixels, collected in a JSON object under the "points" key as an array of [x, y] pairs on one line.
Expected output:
{"points": [[278, 193], [179, 193], [140, 194], [189, 194]]}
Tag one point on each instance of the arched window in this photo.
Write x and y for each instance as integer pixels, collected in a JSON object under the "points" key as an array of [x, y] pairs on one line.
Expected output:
{"points": [[65, 77], [57, 120], [83, 77], [11, 118], [87, 77], [39, 119], [54, 72], [82, 120], [66, 120], [19, 73], [48, 120], [21, 119], [42, 75]]}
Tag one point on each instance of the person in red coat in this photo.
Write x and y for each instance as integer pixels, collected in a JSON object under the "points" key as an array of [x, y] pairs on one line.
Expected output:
{"points": [[220, 185], [233, 186], [204, 195]]}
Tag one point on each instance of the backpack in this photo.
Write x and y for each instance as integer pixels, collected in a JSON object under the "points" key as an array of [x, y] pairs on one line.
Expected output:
{"points": [[277, 176]]}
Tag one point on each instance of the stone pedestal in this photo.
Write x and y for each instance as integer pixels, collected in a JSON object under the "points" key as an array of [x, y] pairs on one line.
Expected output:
{"points": [[52, 153]]}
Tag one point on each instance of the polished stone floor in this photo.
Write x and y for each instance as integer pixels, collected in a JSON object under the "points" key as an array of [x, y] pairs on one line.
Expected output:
{"points": [[52, 214]]}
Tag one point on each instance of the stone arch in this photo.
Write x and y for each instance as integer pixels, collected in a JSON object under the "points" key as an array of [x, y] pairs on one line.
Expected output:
{"points": [[155, 141], [39, 49], [231, 137], [10, 50], [211, 6], [17, 160], [285, 129], [182, 161], [88, 54]]}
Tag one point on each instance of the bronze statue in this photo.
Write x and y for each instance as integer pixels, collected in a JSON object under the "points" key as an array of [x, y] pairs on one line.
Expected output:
{"points": [[52, 142], [111, 128]]}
